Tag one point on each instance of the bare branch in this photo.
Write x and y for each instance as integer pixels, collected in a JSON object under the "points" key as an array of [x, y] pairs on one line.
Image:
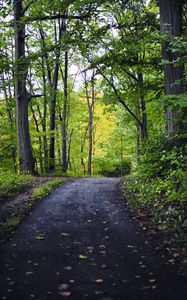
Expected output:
{"points": [[30, 96]]}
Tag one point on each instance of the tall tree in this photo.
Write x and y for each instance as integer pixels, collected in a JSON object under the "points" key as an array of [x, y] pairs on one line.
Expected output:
{"points": [[64, 117], [90, 98], [171, 26], [26, 159]]}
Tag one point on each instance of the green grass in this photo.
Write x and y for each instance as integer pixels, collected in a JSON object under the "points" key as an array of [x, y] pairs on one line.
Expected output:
{"points": [[11, 183], [38, 193], [46, 188]]}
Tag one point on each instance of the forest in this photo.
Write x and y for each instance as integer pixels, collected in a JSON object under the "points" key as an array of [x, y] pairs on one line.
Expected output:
{"points": [[97, 88]]}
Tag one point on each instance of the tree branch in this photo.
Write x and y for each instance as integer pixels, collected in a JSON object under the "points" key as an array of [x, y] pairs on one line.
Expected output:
{"points": [[27, 7], [58, 16], [30, 96], [119, 98]]}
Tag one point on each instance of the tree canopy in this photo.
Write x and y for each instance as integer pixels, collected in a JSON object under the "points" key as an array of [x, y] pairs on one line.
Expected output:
{"points": [[88, 86]]}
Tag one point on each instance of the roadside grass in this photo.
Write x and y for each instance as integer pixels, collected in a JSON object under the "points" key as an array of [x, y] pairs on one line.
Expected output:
{"points": [[46, 188], [24, 209], [11, 183]]}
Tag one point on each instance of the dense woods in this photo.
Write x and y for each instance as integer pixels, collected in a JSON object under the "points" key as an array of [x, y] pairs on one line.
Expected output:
{"points": [[97, 88]]}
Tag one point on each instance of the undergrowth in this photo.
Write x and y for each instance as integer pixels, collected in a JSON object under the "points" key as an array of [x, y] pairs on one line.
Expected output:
{"points": [[11, 183], [157, 191]]}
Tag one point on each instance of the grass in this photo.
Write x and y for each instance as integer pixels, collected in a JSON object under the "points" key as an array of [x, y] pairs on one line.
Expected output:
{"points": [[46, 188], [11, 183], [19, 214]]}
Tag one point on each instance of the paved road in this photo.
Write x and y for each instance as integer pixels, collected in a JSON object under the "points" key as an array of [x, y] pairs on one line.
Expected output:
{"points": [[81, 243]]}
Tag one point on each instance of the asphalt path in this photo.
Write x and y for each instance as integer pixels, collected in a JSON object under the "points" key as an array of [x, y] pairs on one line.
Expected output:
{"points": [[80, 243]]}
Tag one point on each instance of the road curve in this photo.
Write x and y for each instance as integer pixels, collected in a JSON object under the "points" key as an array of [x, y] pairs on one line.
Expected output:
{"points": [[80, 243]]}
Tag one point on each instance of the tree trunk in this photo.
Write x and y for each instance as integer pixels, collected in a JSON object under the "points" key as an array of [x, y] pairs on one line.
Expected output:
{"points": [[52, 119], [53, 101], [171, 24], [44, 118], [39, 138], [69, 147], [58, 145], [90, 137], [64, 117], [144, 131], [90, 103], [82, 151], [138, 129], [26, 159]]}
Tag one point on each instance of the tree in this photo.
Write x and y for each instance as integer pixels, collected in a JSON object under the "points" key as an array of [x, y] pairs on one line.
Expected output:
{"points": [[90, 98], [171, 27], [26, 158]]}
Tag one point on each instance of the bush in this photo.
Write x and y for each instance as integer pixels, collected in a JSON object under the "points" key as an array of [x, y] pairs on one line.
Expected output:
{"points": [[110, 168], [163, 170], [159, 184]]}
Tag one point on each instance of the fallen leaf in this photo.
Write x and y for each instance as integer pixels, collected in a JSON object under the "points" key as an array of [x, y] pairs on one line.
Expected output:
{"points": [[99, 292], [176, 254], [68, 268], [99, 280], [83, 256], [125, 281], [29, 273], [63, 286], [40, 237], [102, 252], [65, 294], [146, 287], [65, 234]]}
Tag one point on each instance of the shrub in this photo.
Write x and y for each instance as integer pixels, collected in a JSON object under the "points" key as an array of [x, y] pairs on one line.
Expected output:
{"points": [[110, 168], [159, 184]]}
